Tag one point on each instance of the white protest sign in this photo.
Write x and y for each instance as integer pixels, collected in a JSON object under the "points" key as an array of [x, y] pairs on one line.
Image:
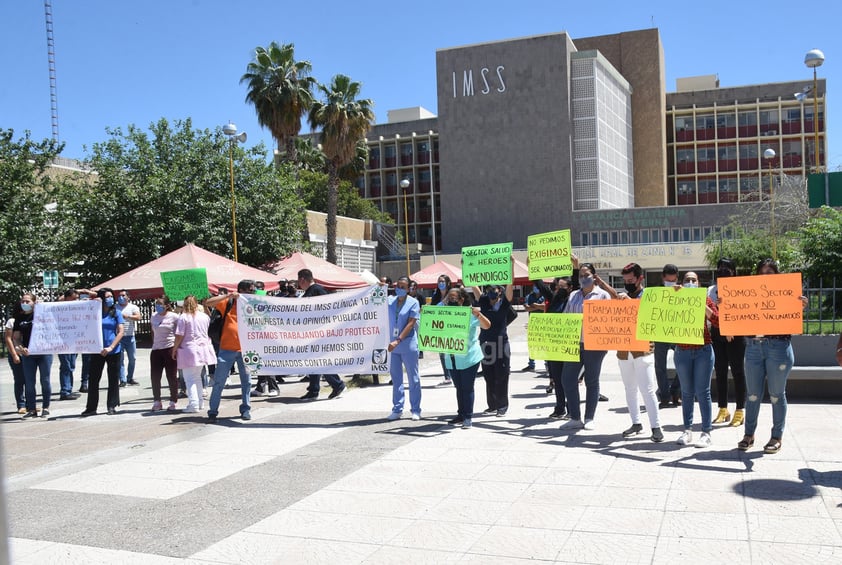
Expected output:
{"points": [[66, 327], [345, 333]]}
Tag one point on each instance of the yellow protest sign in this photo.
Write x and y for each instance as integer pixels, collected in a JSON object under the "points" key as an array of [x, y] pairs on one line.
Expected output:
{"points": [[444, 329], [487, 264], [672, 316], [554, 337], [611, 325], [760, 305], [549, 255]]}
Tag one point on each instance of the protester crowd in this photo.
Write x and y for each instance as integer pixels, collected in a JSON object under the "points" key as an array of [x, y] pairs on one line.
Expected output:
{"points": [[189, 346]]}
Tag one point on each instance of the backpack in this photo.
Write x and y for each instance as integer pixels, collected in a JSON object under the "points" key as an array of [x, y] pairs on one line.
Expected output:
{"points": [[217, 322]]}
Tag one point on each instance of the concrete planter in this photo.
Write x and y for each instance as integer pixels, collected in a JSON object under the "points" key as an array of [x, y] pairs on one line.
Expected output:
{"points": [[815, 350]]}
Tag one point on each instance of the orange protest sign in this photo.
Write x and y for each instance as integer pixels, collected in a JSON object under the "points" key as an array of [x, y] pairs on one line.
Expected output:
{"points": [[760, 305], [611, 325]]}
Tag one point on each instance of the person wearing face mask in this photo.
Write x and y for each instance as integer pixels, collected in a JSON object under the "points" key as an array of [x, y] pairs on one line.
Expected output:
{"points": [[404, 312], [637, 368], [768, 361], [668, 390], [592, 288], [193, 350], [534, 302], [131, 315], [32, 364], [443, 286], [694, 364], [464, 368], [556, 301], [112, 335], [161, 359], [728, 351], [494, 305]]}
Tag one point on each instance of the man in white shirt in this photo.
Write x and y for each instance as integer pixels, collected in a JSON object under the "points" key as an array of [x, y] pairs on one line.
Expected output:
{"points": [[131, 315]]}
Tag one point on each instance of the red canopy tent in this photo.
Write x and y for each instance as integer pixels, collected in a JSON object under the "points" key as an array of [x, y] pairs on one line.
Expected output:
{"points": [[326, 274], [428, 277], [521, 274], [145, 281]]}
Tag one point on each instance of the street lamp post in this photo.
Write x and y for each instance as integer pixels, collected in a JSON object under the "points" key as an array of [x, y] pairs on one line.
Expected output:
{"points": [[230, 130], [814, 59], [404, 186], [769, 155]]}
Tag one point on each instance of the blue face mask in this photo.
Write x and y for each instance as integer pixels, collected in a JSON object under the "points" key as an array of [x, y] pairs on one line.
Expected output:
{"points": [[586, 282], [122, 300], [691, 285], [159, 308], [400, 291], [535, 289], [442, 285], [26, 307], [669, 283], [109, 302]]}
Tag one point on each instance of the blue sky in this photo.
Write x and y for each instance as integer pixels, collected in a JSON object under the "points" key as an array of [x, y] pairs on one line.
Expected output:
{"points": [[120, 63]]}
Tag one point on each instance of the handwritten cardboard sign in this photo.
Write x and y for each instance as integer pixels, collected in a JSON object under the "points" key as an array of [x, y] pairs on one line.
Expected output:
{"points": [[487, 264], [66, 327], [611, 325], [760, 305], [672, 316], [444, 329], [554, 337], [178, 284], [549, 255]]}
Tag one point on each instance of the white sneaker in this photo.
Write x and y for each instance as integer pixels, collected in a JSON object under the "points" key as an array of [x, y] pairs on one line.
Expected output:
{"points": [[686, 438], [703, 441], [190, 410], [572, 425], [589, 425], [272, 392], [444, 383], [394, 416], [416, 416]]}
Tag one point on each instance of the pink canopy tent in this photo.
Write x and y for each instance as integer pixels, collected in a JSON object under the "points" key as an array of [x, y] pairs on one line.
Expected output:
{"points": [[145, 281], [429, 276], [326, 274]]}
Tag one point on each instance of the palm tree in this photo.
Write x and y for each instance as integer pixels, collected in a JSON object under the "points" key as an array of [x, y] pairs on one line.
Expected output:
{"points": [[281, 90], [344, 121]]}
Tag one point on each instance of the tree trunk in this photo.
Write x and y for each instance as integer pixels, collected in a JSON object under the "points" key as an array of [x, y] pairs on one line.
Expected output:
{"points": [[332, 205]]}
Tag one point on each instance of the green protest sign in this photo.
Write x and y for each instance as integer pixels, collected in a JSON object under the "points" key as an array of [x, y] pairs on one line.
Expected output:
{"points": [[554, 337], [444, 329], [487, 264], [672, 316], [549, 255], [178, 284]]}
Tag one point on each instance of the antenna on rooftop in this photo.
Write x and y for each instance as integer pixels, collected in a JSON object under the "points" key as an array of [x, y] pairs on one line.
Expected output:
{"points": [[51, 59]]}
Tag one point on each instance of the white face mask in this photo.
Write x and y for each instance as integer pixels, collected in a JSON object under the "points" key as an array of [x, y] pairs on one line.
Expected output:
{"points": [[691, 285], [669, 283]]}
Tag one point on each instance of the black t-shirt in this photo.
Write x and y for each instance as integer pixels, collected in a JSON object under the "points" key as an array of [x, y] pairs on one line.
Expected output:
{"points": [[315, 290], [23, 324], [497, 318]]}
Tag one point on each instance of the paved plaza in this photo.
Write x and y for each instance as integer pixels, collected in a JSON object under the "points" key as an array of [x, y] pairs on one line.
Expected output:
{"points": [[331, 481]]}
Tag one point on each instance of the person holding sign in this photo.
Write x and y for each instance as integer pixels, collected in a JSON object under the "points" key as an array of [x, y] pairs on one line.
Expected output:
{"points": [[112, 335], [463, 368], [556, 300], [769, 360], [193, 350], [32, 364], [404, 312], [637, 368], [694, 365], [162, 355], [311, 288], [443, 286], [728, 351], [592, 288], [495, 305]]}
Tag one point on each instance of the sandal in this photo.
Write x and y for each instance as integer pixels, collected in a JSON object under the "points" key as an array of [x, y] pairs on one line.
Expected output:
{"points": [[772, 446], [745, 443]]}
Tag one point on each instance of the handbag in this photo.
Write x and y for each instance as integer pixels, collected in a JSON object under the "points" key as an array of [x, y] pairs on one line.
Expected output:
{"points": [[217, 322]]}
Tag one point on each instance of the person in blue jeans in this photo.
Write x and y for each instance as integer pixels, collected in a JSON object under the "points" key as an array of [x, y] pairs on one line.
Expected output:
{"points": [[668, 389], [67, 361], [33, 365], [463, 368], [769, 359], [403, 350], [15, 363], [128, 346], [694, 365], [230, 352]]}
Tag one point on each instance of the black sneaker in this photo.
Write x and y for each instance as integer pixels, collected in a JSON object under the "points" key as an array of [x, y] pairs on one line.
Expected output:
{"points": [[528, 369], [133, 383], [456, 421], [112, 411], [558, 415], [502, 412], [83, 388], [87, 413], [122, 384], [603, 398], [337, 391], [490, 411], [634, 430], [45, 412], [310, 396], [30, 415], [211, 418], [657, 435], [69, 396]]}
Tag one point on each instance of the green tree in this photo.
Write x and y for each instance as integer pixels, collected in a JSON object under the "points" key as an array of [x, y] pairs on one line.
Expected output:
{"points": [[281, 91], [154, 192], [26, 245], [314, 186], [821, 245], [344, 120], [746, 248]]}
